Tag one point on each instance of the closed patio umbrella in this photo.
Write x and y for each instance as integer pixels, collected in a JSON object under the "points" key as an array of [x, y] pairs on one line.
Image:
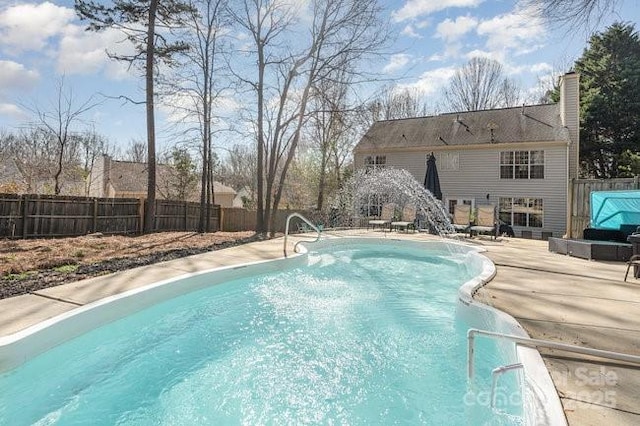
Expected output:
{"points": [[431, 179]]}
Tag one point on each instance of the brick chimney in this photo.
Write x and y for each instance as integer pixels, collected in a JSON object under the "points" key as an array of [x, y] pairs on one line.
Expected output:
{"points": [[570, 117]]}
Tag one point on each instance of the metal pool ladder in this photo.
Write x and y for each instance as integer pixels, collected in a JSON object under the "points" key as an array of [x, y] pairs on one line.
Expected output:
{"points": [[286, 231], [539, 343]]}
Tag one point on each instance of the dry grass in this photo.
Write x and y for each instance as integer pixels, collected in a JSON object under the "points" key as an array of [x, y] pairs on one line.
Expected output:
{"points": [[20, 256]]}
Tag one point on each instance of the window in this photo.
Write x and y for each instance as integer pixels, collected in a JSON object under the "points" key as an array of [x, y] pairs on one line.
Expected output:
{"points": [[375, 161], [522, 165], [373, 206], [526, 212], [447, 161]]}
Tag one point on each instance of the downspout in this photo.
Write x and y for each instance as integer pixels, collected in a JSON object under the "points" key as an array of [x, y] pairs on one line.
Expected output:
{"points": [[570, 182]]}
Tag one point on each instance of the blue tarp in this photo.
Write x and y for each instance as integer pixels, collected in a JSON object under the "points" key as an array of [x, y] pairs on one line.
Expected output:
{"points": [[610, 209]]}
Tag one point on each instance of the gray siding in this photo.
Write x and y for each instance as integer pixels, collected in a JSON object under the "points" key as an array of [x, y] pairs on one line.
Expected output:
{"points": [[479, 175]]}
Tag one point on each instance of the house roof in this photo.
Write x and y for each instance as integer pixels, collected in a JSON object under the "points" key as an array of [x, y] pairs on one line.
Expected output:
{"points": [[128, 176], [535, 123], [131, 177]]}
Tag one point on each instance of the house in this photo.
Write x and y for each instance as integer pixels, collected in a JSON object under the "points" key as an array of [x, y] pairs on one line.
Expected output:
{"points": [[519, 159], [243, 198], [127, 179]]}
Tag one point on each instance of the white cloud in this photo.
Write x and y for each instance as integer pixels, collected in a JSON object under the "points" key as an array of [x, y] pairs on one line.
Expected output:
{"points": [[410, 32], [83, 52], [12, 111], [541, 68], [451, 31], [497, 55], [432, 81], [396, 62], [415, 8], [518, 31], [15, 76], [29, 26]]}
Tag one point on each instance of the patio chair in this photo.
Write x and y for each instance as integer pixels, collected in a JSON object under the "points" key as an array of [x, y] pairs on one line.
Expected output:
{"points": [[461, 218], [485, 221], [386, 216], [635, 262], [408, 219]]}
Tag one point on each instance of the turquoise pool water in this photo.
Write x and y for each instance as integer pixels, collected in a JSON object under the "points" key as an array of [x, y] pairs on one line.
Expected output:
{"points": [[360, 335]]}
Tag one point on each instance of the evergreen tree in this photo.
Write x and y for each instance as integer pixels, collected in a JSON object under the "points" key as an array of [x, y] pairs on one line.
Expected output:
{"points": [[610, 103], [147, 25]]}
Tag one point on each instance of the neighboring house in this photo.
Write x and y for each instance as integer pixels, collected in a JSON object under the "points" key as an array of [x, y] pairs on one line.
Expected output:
{"points": [[127, 179], [518, 159], [242, 198]]}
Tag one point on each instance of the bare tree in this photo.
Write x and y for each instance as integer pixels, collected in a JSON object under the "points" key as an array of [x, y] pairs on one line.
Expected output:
{"points": [[340, 33], [393, 103], [32, 150], [239, 170], [198, 85], [61, 121], [573, 13], [136, 151], [548, 85], [480, 84], [331, 123], [92, 145]]}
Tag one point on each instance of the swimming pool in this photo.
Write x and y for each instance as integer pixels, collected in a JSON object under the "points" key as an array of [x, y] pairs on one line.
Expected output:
{"points": [[356, 332]]}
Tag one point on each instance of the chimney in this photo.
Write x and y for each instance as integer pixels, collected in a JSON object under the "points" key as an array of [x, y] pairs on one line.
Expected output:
{"points": [[100, 176], [570, 116]]}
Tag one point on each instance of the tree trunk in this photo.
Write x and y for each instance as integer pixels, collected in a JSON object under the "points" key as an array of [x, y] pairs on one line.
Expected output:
{"points": [[260, 222], [56, 178], [150, 211], [322, 179]]}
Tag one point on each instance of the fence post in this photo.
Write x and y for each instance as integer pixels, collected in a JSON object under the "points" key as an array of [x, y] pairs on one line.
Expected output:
{"points": [[141, 204], [221, 218], [25, 201], [572, 183], [636, 182], [94, 225], [185, 215]]}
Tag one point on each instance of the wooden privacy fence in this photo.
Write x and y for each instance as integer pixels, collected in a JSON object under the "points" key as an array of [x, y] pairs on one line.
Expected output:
{"points": [[240, 219], [581, 198], [35, 216]]}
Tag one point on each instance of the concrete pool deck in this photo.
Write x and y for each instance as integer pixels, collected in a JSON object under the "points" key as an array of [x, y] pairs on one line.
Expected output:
{"points": [[553, 296]]}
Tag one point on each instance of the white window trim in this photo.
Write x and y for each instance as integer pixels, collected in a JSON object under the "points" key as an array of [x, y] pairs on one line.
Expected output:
{"points": [[533, 228], [529, 178]]}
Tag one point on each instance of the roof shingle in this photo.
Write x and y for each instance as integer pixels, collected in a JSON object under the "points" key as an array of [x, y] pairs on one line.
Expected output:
{"points": [[536, 123]]}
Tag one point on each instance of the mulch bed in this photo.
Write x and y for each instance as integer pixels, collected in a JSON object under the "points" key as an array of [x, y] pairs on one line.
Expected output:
{"points": [[10, 285]]}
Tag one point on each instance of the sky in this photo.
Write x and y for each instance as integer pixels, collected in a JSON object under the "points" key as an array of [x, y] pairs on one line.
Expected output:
{"points": [[40, 42]]}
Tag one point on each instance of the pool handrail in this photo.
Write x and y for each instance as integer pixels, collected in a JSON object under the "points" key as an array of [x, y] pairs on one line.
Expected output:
{"points": [[495, 375], [286, 231], [540, 343]]}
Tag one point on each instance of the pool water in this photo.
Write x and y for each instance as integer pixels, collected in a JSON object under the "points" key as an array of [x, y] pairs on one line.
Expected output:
{"points": [[360, 335]]}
